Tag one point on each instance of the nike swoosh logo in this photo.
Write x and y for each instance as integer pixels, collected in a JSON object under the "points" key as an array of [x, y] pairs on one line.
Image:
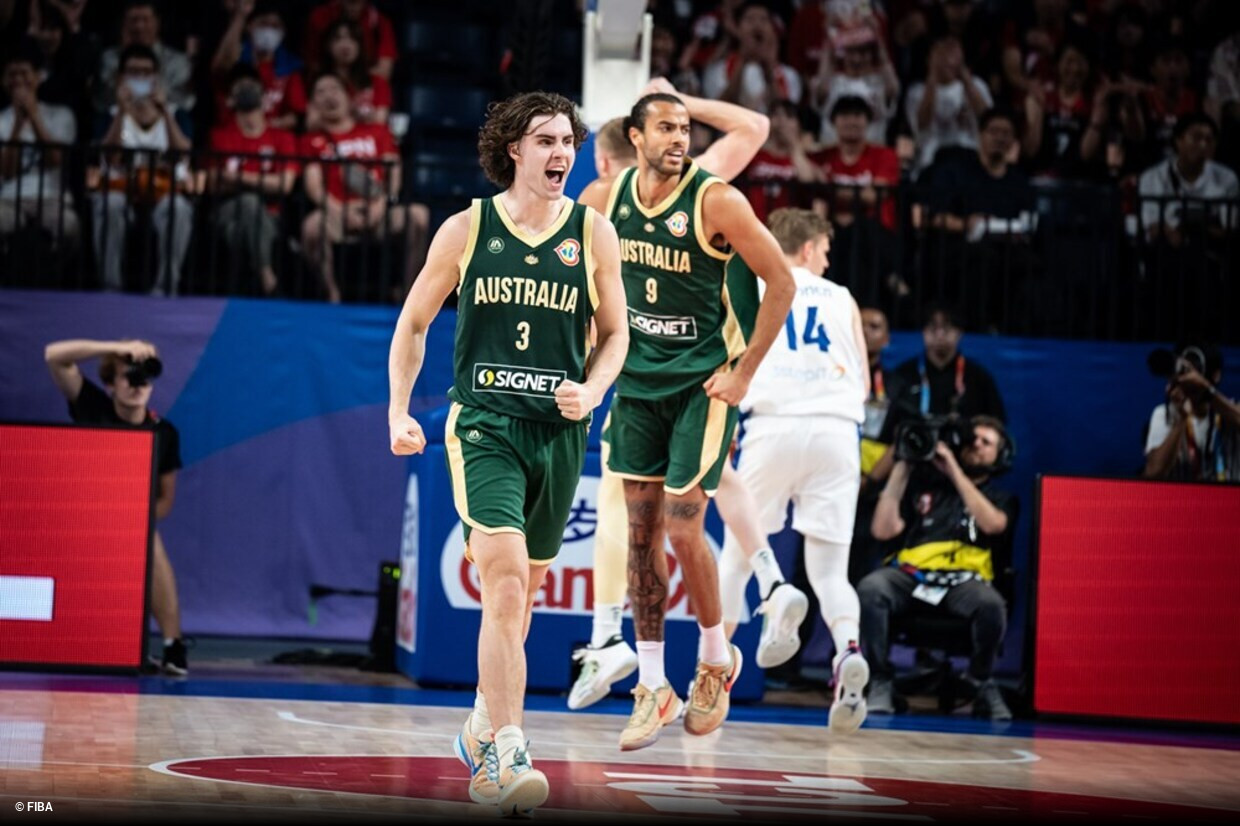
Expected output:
{"points": [[667, 705]]}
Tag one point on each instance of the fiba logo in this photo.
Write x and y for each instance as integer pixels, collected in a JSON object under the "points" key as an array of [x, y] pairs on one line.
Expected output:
{"points": [[624, 211], [678, 224], [495, 244], [569, 252], [486, 378], [474, 436]]}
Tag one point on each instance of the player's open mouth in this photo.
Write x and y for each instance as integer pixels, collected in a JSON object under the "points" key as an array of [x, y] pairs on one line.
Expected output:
{"points": [[556, 176]]}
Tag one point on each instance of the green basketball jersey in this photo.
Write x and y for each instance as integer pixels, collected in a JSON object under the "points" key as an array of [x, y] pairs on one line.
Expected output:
{"points": [[743, 291], [681, 324], [524, 312]]}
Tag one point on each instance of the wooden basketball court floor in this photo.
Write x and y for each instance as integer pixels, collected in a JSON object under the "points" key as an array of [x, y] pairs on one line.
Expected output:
{"points": [[243, 750]]}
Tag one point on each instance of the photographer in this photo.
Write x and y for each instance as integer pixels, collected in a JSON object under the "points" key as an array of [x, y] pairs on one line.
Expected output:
{"points": [[127, 368], [951, 516], [1194, 435]]}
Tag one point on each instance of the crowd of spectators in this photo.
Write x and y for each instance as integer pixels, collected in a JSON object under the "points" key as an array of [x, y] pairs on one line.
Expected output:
{"points": [[876, 97], [240, 101]]}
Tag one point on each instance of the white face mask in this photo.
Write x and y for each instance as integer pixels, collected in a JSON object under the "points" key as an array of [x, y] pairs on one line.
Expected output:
{"points": [[141, 87], [266, 38]]}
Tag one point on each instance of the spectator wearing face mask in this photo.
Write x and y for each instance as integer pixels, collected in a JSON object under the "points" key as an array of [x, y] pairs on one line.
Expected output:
{"points": [[140, 26], [255, 37], [252, 168]]}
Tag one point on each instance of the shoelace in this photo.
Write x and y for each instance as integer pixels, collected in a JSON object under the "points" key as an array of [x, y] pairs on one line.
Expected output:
{"points": [[520, 762], [645, 697], [706, 687], [490, 758]]}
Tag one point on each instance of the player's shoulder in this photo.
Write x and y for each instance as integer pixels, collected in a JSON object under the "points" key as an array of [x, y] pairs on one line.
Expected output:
{"points": [[597, 193]]}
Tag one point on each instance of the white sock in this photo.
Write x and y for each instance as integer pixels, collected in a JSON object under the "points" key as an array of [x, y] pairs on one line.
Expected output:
{"points": [[766, 567], [714, 646], [826, 565], [507, 741], [650, 664], [606, 623], [480, 720], [168, 641], [734, 574]]}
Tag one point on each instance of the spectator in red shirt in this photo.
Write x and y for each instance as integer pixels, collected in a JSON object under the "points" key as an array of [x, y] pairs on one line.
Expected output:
{"points": [[353, 177], [252, 166], [255, 38], [862, 203], [370, 96], [378, 36], [855, 166], [1058, 141], [783, 161]]}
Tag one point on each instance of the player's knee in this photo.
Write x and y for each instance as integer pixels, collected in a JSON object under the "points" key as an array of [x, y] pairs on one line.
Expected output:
{"points": [[505, 594]]}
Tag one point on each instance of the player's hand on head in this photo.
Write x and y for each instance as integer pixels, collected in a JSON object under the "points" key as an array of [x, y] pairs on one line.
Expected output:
{"points": [[728, 387], [574, 400], [659, 86], [406, 435]]}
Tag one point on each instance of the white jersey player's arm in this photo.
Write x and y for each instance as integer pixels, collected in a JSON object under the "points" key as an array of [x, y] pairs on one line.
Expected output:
{"points": [[440, 275], [859, 337]]}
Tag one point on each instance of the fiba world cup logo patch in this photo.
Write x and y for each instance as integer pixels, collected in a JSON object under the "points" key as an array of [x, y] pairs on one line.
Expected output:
{"points": [[569, 251], [678, 224]]}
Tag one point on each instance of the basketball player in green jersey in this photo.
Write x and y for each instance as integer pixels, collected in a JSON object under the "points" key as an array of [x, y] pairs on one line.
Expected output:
{"points": [[608, 658], [532, 269], [675, 408]]}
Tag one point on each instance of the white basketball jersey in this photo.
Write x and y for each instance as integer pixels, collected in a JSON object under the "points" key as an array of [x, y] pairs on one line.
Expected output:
{"points": [[814, 367]]}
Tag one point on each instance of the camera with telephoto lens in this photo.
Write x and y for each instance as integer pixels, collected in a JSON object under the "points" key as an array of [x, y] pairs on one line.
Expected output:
{"points": [[916, 438], [140, 373]]}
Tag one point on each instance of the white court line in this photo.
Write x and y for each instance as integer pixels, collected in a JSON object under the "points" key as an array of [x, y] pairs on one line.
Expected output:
{"points": [[1022, 756]]}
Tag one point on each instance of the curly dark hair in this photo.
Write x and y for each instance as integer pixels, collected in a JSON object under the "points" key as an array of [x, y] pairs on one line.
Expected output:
{"points": [[507, 122]]}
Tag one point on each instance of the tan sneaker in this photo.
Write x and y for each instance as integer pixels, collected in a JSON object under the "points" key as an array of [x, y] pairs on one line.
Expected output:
{"points": [[652, 710], [712, 694], [476, 753], [521, 786]]}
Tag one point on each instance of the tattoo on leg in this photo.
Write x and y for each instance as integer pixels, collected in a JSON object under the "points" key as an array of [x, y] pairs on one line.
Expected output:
{"points": [[647, 578], [682, 510]]}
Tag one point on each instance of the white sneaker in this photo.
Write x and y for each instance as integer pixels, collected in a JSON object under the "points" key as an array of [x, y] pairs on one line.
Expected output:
{"points": [[600, 667], [783, 611], [852, 672]]}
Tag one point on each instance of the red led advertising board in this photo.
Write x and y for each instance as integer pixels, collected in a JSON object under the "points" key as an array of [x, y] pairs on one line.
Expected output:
{"points": [[1138, 600], [75, 523]]}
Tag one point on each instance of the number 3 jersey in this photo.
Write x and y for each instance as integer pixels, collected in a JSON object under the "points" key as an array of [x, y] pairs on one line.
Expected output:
{"points": [[815, 366], [681, 324], [524, 310]]}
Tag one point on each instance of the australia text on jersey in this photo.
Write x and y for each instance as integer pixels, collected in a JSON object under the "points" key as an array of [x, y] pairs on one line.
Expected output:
{"points": [[493, 289], [648, 254]]}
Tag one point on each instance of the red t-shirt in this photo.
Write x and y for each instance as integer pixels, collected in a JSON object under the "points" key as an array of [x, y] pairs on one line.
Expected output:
{"points": [[275, 142], [877, 165], [376, 96], [281, 95], [770, 182], [365, 141], [378, 36]]}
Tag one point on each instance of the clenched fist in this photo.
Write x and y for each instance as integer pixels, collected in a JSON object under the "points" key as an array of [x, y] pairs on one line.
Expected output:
{"points": [[575, 400], [406, 434]]}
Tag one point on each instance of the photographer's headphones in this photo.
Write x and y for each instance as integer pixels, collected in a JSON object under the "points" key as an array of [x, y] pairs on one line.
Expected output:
{"points": [[1007, 453]]}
